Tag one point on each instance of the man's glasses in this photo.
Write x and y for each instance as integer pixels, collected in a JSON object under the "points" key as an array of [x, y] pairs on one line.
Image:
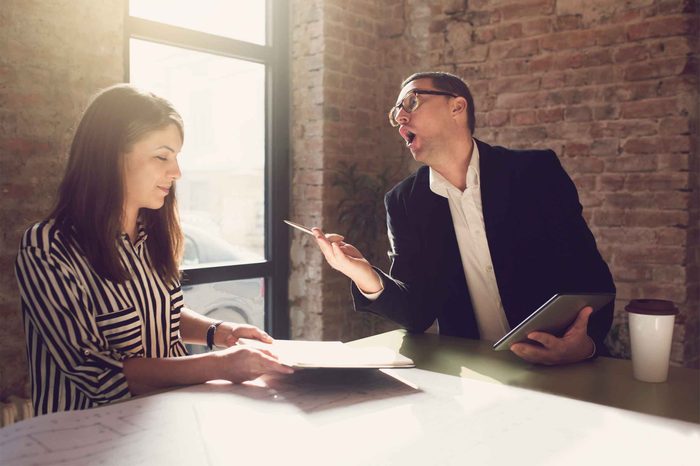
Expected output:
{"points": [[410, 103]]}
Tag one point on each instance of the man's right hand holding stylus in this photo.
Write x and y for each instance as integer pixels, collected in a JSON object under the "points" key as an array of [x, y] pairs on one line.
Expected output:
{"points": [[348, 260]]}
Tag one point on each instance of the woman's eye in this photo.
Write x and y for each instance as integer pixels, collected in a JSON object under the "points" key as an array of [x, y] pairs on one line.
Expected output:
{"points": [[160, 157]]}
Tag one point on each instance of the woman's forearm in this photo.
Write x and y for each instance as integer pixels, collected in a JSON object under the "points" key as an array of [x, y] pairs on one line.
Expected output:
{"points": [[194, 326], [237, 364], [145, 375]]}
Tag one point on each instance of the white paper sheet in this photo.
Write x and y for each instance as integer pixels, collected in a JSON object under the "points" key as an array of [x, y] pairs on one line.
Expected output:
{"points": [[330, 354]]}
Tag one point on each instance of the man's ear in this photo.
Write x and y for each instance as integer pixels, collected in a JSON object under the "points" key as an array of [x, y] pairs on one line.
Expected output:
{"points": [[459, 105]]}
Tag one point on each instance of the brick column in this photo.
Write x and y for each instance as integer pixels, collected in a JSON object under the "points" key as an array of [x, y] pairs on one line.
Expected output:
{"points": [[335, 104]]}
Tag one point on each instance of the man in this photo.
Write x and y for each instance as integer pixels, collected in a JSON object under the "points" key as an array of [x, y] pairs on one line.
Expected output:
{"points": [[480, 237]]}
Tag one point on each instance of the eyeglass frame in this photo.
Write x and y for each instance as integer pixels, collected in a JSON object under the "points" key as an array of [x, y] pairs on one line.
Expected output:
{"points": [[416, 92]]}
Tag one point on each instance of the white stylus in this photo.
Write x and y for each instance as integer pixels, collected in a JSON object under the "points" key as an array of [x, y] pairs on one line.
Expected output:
{"points": [[332, 237], [299, 227]]}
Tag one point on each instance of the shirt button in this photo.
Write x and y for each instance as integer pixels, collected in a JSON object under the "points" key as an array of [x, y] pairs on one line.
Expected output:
{"points": [[489, 268]]}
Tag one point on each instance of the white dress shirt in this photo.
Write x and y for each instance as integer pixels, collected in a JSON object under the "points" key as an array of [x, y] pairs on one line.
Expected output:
{"points": [[468, 221]]}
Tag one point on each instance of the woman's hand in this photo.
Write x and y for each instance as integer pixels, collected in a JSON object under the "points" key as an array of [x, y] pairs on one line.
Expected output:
{"points": [[240, 363], [228, 333]]}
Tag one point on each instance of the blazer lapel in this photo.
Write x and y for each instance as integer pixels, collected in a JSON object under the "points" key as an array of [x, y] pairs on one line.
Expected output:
{"points": [[495, 200], [494, 186], [435, 210]]}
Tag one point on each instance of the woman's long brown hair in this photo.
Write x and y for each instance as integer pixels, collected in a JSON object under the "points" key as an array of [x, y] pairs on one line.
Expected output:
{"points": [[90, 204]]}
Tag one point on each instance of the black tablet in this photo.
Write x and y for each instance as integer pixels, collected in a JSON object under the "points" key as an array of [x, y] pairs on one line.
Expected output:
{"points": [[554, 316]]}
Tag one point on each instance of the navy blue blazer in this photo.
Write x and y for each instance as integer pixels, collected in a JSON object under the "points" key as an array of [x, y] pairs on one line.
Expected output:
{"points": [[539, 242]]}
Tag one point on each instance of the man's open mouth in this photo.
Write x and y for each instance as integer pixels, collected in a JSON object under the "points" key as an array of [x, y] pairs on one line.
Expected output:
{"points": [[407, 135], [409, 138]]}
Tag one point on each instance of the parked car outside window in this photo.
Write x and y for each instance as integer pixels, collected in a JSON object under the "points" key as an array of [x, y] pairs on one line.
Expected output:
{"points": [[241, 301]]}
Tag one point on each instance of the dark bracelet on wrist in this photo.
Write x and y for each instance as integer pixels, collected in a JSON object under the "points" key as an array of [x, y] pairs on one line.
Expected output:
{"points": [[210, 333]]}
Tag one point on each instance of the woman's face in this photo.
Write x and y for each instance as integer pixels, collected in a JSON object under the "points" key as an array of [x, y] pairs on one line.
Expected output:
{"points": [[151, 168]]}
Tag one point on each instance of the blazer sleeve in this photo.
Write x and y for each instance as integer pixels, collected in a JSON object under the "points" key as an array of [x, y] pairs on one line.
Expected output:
{"points": [[61, 312], [405, 297], [575, 257]]}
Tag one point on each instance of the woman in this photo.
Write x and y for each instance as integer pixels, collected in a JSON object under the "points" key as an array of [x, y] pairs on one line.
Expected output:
{"points": [[103, 309]]}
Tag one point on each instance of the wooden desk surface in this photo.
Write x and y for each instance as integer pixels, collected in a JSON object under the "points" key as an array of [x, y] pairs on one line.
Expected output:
{"points": [[604, 381]]}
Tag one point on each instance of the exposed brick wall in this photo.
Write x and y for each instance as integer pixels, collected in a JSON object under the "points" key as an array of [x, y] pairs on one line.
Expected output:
{"points": [[53, 57], [692, 329], [611, 86]]}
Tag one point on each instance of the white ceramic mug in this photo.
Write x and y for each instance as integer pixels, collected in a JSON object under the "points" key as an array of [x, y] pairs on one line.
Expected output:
{"points": [[651, 333]]}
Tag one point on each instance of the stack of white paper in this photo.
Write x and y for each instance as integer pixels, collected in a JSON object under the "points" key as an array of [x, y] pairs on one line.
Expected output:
{"points": [[330, 354]]}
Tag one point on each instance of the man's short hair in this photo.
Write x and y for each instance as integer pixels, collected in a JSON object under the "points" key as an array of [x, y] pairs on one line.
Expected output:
{"points": [[449, 82]]}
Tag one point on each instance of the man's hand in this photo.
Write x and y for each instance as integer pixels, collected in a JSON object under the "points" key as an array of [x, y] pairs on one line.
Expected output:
{"points": [[574, 346], [348, 260]]}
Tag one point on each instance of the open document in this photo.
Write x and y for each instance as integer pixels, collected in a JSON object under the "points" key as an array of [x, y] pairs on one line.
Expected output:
{"points": [[330, 354]]}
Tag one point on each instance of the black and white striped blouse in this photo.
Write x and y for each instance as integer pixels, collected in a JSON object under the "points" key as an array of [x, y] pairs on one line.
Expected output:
{"points": [[80, 327]]}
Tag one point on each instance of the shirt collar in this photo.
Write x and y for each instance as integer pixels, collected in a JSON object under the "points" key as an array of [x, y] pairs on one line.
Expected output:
{"points": [[141, 234], [439, 184]]}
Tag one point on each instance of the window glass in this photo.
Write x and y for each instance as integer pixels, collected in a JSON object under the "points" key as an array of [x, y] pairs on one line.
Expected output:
{"points": [[222, 101], [236, 19], [241, 301]]}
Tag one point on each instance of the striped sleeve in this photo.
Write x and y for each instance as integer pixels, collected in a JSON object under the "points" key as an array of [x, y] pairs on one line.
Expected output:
{"points": [[62, 314]]}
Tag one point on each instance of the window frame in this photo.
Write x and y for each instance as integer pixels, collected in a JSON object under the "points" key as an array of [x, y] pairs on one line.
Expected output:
{"points": [[274, 55]]}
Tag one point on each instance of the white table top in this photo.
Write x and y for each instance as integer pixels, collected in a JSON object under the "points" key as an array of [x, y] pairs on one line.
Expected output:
{"points": [[352, 417]]}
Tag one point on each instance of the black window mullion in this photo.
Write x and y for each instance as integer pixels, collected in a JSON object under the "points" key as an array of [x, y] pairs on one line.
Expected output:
{"points": [[139, 28], [277, 167], [209, 274]]}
